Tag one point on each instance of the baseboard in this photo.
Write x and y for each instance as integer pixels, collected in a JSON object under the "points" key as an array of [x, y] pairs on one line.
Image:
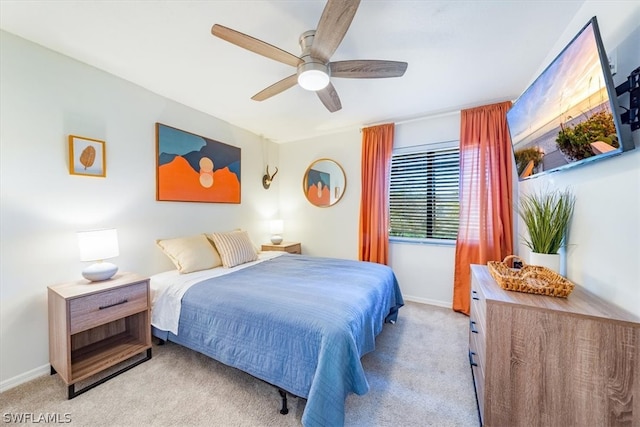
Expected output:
{"points": [[445, 304], [23, 378]]}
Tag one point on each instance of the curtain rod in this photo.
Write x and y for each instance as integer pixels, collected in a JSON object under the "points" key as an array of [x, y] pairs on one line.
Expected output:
{"points": [[413, 119]]}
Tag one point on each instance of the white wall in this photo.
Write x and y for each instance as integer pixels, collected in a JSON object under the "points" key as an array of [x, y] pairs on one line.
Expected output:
{"points": [[323, 231], [603, 253], [44, 98]]}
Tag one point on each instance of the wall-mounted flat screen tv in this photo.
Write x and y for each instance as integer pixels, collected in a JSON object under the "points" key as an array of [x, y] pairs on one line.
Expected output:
{"points": [[570, 114]]}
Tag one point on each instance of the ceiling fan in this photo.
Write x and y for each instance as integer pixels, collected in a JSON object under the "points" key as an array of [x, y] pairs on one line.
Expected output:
{"points": [[313, 66]]}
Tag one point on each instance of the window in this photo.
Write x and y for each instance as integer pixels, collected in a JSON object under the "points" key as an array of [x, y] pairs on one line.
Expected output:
{"points": [[423, 196]]}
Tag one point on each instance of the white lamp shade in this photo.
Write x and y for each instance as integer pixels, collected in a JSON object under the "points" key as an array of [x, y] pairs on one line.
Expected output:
{"points": [[97, 245], [276, 226]]}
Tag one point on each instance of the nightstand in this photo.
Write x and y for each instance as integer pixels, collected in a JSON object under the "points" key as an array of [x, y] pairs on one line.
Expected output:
{"points": [[290, 247], [96, 325]]}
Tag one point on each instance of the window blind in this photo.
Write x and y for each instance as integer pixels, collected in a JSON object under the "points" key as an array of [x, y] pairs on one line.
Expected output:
{"points": [[423, 196]]}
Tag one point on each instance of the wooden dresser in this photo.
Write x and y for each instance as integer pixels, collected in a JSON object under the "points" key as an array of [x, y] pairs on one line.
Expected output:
{"points": [[547, 361]]}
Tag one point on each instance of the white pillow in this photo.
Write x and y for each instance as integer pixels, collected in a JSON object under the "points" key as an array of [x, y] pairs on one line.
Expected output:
{"points": [[190, 254], [234, 247]]}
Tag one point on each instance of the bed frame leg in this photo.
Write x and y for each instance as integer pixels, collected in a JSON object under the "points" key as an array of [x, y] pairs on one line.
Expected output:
{"points": [[283, 394], [160, 341]]}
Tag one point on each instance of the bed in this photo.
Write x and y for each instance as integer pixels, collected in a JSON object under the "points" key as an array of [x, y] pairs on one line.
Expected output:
{"points": [[297, 322]]}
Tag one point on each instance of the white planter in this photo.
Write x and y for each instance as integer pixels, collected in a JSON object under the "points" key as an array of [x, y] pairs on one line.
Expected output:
{"points": [[551, 261]]}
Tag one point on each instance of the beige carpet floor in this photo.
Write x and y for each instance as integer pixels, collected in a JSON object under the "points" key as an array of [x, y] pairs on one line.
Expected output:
{"points": [[418, 375]]}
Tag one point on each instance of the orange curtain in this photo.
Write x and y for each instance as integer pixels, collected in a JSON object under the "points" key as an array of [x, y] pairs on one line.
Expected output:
{"points": [[377, 147], [486, 218]]}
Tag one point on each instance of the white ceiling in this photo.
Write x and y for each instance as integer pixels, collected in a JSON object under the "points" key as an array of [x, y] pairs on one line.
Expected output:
{"points": [[460, 54]]}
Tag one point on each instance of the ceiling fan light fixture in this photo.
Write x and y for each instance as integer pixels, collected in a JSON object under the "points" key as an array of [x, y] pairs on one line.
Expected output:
{"points": [[314, 65], [313, 80], [313, 76]]}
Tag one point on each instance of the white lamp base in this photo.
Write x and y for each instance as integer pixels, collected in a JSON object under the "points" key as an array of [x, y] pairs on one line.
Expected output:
{"points": [[99, 271], [276, 239]]}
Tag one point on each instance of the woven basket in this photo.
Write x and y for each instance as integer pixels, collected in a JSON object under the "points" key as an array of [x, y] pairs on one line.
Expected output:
{"points": [[532, 279]]}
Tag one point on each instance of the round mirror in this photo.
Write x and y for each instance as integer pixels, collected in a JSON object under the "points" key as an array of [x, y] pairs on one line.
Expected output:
{"points": [[324, 183]]}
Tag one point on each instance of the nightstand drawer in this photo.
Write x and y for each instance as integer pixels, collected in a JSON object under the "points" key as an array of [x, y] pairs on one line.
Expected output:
{"points": [[89, 311], [295, 249]]}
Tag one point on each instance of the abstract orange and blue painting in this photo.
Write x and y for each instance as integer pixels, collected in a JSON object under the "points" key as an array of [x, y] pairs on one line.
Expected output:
{"points": [[192, 168]]}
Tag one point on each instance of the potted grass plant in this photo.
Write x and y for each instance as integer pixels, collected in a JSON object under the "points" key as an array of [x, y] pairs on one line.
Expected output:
{"points": [[547, 216]]}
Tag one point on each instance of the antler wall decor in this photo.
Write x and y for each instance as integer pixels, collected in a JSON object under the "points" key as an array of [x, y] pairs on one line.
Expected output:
{"points": [[267, 179]]}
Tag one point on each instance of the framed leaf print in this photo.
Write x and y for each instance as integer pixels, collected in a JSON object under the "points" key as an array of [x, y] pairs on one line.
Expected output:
{"points": [[87, 156]]}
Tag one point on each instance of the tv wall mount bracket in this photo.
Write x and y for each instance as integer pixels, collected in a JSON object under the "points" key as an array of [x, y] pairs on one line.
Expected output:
{"points": [[632, 114]]}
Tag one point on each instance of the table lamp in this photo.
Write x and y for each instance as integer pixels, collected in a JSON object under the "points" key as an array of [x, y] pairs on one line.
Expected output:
{"points": [[98, 245], [276, 227]]}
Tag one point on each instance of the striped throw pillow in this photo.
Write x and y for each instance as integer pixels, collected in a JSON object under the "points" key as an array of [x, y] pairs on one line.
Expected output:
{"points": [[234, 247]]}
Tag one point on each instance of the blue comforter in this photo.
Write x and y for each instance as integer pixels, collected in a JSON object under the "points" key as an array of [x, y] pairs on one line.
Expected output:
{"points": [[300, 323]]}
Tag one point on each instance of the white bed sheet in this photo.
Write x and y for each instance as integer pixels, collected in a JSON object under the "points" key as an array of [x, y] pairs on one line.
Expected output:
{"points": [[167, 289]]}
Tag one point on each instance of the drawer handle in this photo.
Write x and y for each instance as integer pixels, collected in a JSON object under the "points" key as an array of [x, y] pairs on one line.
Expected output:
{"points": [[102, 307], [472, 326], [474, 295], [471, 361]]}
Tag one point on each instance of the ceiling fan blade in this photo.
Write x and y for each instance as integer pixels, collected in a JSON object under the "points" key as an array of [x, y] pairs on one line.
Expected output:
{"points": [[276, 88], [255, 45], [330, 98], [334, 23], [367, 69]]}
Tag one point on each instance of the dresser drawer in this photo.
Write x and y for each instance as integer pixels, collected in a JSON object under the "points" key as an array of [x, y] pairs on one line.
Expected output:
{"points": [[478, 382], [477, 345], [478, 305], [89, 311]]}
